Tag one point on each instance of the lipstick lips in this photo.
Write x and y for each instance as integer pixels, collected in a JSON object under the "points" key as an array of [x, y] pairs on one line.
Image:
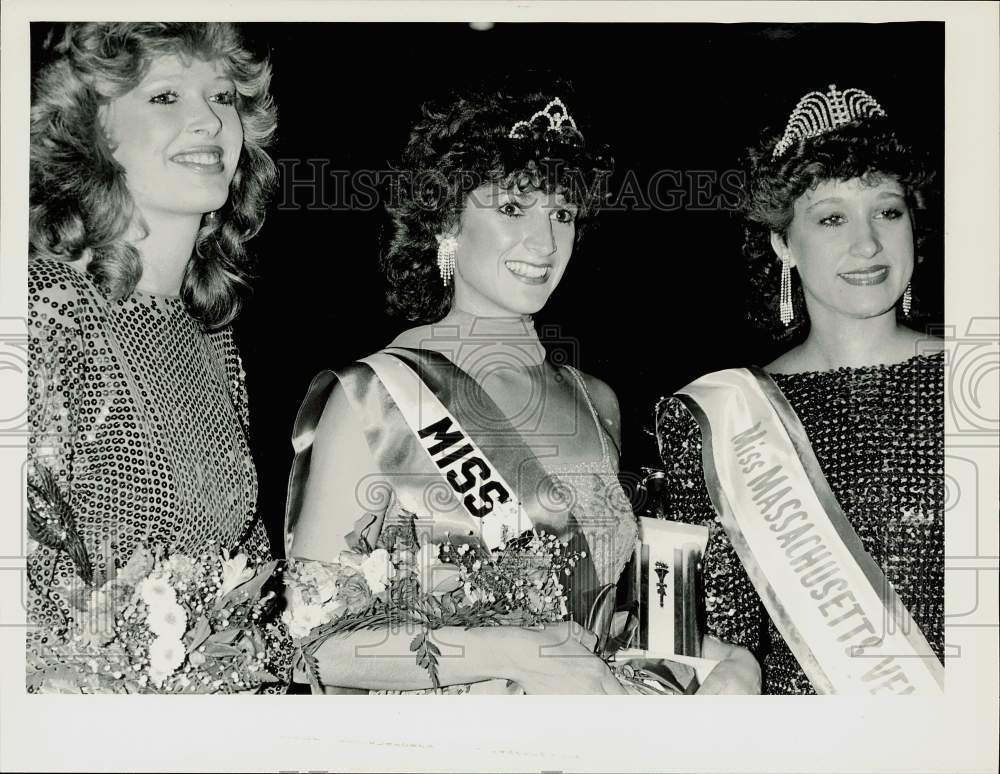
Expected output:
{"points": [[871, 275], [204, 159], [529, 273]]}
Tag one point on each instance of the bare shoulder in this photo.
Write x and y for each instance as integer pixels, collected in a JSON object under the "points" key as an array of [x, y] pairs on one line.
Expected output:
{"points": [[414, 338], [606, 404]]}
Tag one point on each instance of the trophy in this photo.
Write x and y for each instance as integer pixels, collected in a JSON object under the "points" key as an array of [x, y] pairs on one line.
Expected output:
{"points": [[658, 644]]}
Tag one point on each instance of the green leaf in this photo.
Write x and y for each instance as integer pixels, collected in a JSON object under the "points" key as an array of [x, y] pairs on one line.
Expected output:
{"points": [[225, 636], [219, 649], [312, 670], [46, 504], [197, 636]]}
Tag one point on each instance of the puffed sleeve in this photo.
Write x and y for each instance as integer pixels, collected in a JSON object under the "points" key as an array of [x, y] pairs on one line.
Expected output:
{"points": [[733, 609]]}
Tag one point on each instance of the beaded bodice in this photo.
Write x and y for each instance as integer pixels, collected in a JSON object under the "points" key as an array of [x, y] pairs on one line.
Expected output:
{"points": [[878, 434], [141, 416]]}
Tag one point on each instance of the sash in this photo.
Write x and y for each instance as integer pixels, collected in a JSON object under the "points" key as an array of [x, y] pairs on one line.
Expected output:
{"points": [[448, 454], [840, 616]]}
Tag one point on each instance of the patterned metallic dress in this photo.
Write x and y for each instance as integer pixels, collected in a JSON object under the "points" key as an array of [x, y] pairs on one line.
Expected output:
{"points": [[878, 434], [141, 416]]}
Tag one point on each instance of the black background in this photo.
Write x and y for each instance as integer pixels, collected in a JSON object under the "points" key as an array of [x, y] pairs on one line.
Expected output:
{"points": [[652, 298]]}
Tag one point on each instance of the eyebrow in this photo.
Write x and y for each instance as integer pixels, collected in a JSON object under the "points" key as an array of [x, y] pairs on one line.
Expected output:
{"points": [[169, 77], [838, 199], [825, 200], [522, 195]]}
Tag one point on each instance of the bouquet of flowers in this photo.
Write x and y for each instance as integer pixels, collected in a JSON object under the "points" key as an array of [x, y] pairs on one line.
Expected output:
{"points": [[400, 581], [158, 624], [163, 624]]}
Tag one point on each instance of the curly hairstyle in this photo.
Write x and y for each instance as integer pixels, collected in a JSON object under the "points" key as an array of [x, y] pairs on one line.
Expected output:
{"points": [[869, 150], [459, 144], [79, 198]]}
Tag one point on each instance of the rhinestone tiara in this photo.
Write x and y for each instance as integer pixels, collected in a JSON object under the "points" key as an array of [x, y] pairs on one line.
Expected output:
{"points": [[555, 113], [818, 113]]}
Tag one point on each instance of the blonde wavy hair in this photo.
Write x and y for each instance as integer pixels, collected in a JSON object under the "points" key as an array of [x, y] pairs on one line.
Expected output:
{"points": [[79, 202]]}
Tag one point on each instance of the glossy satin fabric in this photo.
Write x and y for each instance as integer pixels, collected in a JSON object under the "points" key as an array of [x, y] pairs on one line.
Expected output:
{"points": [[405, 474]]}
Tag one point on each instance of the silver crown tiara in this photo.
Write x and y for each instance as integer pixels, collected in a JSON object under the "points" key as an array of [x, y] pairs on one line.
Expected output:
{"points": [[556, 119], [819, 113]]}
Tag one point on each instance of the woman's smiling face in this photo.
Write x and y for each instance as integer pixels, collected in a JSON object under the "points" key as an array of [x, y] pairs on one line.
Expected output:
{"points": [[513, 247], [852, 242], [178, 136]]}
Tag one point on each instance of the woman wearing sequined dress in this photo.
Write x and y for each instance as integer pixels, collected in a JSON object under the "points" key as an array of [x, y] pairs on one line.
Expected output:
{"points": [[473, 266], [838, 198], [148, 175]]}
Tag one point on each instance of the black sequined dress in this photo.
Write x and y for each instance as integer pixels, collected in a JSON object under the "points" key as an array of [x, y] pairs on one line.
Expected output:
{"points": [[142, 418], [878, 434]]}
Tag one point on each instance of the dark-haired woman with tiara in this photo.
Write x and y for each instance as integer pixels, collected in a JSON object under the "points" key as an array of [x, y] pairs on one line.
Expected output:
{"points": [[470, 264], [148, 175], [820, 476]]}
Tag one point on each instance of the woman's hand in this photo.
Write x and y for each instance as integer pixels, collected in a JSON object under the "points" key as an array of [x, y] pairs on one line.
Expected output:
{"points": [[737, 672], [559, 659]]}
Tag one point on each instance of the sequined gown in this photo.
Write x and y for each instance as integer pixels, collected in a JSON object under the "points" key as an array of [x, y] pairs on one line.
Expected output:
{"points": [[878, 433], [142, 418]]}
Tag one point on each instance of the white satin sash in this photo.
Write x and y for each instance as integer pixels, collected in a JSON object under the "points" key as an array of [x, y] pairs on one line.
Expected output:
{"points": [[839, 614]]}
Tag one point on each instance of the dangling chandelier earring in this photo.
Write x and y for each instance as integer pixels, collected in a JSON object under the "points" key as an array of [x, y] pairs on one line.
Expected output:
{"points": [[785, 310], [446, 257], [907, 299]]}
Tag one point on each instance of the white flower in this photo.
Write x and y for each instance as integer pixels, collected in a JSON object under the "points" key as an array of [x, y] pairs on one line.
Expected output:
{"points": [[166, 654], [234, 573], [378, 570], [293, 595], [303, 620], [493, 532], [168, 620], [32, 546], [320, 577], [156, 592]]}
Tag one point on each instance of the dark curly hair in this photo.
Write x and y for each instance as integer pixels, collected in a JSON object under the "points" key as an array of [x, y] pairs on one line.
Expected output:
{"points": [[78, 192], [868, 149], [459, 144]]}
